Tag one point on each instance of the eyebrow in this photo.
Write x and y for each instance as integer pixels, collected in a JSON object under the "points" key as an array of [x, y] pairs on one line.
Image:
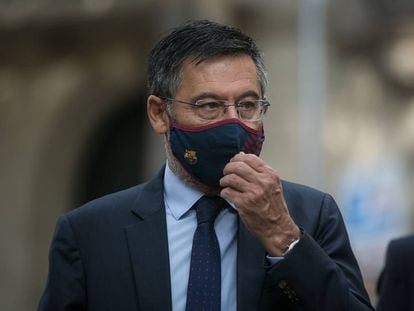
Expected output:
{"points": [[249, 93]]}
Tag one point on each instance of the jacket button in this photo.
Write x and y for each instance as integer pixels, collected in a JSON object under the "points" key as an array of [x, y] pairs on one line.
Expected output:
{"points": [[282, 284]]}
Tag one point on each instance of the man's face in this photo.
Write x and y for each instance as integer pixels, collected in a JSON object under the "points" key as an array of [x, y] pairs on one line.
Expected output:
{"points": [[231, 78], [228, 78]]}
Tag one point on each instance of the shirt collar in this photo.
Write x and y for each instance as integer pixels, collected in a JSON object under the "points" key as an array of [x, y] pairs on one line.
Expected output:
{"points": [[178, 196]]}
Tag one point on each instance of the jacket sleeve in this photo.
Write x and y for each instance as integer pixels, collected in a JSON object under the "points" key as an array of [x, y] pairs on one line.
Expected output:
{"points": [[65, 288], [320, 272]]}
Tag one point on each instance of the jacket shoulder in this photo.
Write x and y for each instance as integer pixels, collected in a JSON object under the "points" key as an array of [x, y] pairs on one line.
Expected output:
{"points": [[309, 206], [118, 203], [120, 200], [298, 192], [403, 247]]}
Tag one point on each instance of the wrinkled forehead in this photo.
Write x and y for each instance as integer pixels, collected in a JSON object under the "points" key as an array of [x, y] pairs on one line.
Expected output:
{"points": [[229, 65], [224, 76]]}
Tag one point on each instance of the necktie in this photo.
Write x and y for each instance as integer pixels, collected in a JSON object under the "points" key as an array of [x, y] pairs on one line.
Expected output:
{"points": [[204, 284]]}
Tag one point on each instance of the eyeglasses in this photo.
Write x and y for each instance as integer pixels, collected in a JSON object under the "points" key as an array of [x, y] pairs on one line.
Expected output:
{"points": [[214, 109]]}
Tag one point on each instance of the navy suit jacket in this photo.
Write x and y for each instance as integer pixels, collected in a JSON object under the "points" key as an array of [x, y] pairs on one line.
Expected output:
{"points": [[396, 288], [112, 254]]}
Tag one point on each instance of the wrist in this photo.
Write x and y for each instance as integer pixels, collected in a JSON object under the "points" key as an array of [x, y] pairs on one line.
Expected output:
{"points": [[291, 245], [283, 243]]}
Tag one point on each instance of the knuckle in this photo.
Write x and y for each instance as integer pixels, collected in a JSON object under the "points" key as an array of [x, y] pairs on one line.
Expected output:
{"points": [[259, 192], [232, 178], [225, 193], [237, 166], [251, 156]]}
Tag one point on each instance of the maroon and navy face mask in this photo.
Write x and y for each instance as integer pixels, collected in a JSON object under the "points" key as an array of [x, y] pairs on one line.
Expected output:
{"points": [[204, 151]]}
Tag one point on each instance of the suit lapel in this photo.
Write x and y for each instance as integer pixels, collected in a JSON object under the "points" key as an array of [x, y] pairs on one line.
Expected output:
{"points": [[250, 270], [148, 247]]}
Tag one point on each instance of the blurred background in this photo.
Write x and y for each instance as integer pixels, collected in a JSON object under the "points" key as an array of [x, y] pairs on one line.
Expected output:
{"points": [[73, 118]]}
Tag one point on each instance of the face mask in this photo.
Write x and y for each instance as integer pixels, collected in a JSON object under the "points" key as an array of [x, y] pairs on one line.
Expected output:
{"points": [[204, 151]]}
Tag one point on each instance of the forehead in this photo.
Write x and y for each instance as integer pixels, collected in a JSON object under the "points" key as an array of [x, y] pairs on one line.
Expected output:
{"points": [[221, 75]]}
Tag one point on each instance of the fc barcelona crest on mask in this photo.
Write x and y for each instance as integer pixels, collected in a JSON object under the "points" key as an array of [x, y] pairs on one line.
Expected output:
{"points": [[190, 156]]}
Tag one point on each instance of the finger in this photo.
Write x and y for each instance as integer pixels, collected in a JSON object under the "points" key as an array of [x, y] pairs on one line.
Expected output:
{"points": [[232, 195], [241, 169], [250, 159], [235, 182], [240, 153]]}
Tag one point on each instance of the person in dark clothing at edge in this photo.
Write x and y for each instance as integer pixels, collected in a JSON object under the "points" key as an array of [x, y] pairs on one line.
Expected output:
{"points": [[396, 283]]}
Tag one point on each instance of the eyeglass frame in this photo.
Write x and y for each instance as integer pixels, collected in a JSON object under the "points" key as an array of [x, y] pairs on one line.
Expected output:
{"points": [[264, 105]]}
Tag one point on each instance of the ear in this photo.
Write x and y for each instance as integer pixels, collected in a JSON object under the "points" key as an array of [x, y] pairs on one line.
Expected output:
{"points": [[157, 114]]}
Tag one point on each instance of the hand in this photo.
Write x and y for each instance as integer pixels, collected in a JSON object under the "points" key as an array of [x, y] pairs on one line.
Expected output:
{"points": [[255, 188]]}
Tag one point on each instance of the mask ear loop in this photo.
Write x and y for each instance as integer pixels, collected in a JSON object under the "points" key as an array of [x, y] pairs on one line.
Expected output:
{"points": [[170, 120], [165, 108]]}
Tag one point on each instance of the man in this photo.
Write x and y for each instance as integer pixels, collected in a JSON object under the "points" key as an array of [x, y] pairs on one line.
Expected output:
{"points": [[396, 285], [270, 245]]}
